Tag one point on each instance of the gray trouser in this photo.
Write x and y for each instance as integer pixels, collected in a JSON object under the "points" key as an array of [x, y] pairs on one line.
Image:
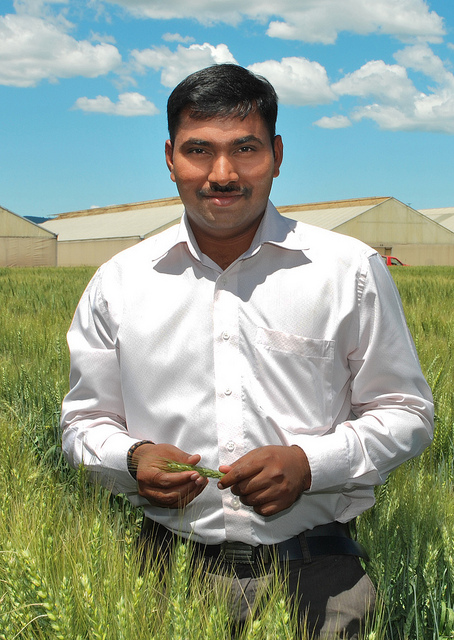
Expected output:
{"points": [[333, 594]]}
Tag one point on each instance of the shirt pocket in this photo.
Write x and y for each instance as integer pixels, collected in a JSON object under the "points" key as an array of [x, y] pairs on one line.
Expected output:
{"points": [[294, 381]]}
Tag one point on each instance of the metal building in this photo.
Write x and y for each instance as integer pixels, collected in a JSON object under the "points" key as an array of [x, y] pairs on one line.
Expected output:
{"points": [[92, 236], [444, 216], [25, 244], [386, 224]]}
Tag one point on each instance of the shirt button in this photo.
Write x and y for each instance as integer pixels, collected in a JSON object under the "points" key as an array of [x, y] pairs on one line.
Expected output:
{"points": [[223, 281], [228, 392], [230, 446], [236, 504], [226, 335]]}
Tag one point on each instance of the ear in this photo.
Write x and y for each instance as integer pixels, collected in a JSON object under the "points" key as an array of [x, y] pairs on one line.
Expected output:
{"points": [[278, 148], [169, 159]]}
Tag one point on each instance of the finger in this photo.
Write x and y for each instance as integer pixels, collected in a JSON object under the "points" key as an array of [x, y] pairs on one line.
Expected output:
{"points": [[152, 476], [238, 473], [253, 485], [174, 498], [198, 489], [269, 509], [169, 489], [161, 454], [225, 468], [164, 500], [257, 498], [200, 480], [183, 500], [265, 505]]}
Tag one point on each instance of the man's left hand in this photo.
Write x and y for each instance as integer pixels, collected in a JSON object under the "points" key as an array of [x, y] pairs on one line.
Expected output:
{"points": [[269, 479]]}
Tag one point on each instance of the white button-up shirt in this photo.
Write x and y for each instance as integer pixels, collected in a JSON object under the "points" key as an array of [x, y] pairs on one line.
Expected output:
{"points": [[302, 340]]}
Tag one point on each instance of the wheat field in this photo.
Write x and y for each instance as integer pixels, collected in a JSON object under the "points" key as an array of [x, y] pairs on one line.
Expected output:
{"points": [[69, 563]]}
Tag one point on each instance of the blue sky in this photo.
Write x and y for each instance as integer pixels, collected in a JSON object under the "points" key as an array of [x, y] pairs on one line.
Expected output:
{"points": [[366, 94]]}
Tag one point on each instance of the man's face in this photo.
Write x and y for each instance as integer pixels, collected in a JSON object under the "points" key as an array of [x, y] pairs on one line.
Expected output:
{"points": [[224, 169]]}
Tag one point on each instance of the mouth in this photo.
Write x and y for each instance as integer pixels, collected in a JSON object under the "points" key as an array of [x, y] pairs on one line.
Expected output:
{"points": [[223, 197]]}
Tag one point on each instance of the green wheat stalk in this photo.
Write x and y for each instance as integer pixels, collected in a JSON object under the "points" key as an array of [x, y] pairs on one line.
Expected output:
{"points": [[203, 471]]}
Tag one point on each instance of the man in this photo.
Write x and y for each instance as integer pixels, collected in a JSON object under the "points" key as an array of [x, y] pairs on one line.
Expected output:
{"points": [[272, 350]]}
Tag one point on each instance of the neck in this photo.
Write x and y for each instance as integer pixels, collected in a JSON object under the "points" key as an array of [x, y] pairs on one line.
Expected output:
{"points": [[225, 250]]}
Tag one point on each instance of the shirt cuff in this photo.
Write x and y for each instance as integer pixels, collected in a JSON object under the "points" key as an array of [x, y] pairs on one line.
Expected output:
{"points": [[115, 462], [328, 458]]}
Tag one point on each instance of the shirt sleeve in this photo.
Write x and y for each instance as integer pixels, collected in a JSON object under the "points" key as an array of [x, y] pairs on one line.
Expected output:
{"points": [[93, 416], [392, 406]]}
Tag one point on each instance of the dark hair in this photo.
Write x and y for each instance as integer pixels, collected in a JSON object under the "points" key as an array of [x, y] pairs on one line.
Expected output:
{"points": [[222, 90]]}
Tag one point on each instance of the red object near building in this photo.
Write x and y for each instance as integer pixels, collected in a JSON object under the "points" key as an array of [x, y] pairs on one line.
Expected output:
{"points": [[391, 261]]}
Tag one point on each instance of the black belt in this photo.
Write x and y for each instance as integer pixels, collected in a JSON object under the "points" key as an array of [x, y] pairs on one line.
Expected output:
{"points": [[329, 539]]}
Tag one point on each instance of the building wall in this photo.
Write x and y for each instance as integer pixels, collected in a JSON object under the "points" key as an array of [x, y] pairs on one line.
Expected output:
{"points": [[91, 252], [24, 244], [96, 252], [394, 229], [12, 225], [420, 255], [425, 254], [28, 252], [393, 222]]}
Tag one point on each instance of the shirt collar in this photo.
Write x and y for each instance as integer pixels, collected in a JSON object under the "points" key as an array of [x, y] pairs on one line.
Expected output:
{"points": [[277, 230], [274, 229]]}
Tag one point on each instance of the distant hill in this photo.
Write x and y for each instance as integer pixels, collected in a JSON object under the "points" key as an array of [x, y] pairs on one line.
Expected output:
{"points": [[36, 219]]}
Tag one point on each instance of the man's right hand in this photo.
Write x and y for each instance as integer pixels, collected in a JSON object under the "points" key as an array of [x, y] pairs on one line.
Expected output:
{"points": [[171, 490]]}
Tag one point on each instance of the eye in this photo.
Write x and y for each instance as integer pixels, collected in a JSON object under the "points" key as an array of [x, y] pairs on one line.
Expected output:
{"points": [[197, 151]]}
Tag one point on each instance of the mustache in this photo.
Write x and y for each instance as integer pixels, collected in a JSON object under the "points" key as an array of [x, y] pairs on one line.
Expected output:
{"points": [[228, 188]]}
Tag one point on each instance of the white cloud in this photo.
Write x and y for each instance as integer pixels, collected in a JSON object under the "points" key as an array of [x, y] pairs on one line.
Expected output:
{"points": [[175, 66], [33, 49], [421, 58], [37, 8], [398, 105], [99, 37], [129, 104], [297, 81], [207, 12], [335, 122], [307, 20], [324, 20], [389, 83], [176, 37], [433, 113]]}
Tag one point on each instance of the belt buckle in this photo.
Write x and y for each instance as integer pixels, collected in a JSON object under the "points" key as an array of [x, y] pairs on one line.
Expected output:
{"points": [[238, 552]]}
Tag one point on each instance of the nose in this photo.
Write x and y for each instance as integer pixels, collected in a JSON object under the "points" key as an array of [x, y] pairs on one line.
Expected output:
{"points": [[222, 171]]}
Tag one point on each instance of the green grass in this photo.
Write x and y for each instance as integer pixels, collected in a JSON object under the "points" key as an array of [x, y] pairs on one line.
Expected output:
{"points": [[69, 565], [36, 308]]}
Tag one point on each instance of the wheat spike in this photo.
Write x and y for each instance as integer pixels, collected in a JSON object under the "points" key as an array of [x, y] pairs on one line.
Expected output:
{"points": [[203, 471]]}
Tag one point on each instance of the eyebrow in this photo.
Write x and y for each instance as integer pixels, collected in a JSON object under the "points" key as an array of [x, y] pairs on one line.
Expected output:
{"points": [[235, 143]]}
